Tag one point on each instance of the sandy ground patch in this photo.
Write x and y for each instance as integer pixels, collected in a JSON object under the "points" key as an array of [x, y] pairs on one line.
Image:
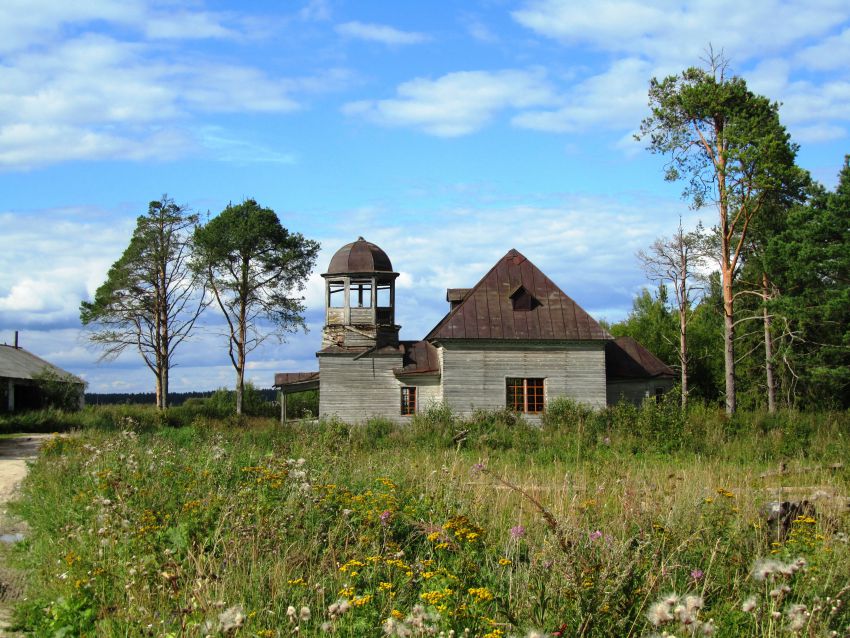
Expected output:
{"points": [[14, 454]]}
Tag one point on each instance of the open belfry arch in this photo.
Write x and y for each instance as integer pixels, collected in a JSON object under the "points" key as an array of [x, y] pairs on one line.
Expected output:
{"points": [[514, 340]]}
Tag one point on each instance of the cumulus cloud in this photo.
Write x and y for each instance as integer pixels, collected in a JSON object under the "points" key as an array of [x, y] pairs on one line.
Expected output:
{"points": [[673, 30], [382, 33], [457, 103], [80, 245], [83, 94], [662, 38], [613, 99]]}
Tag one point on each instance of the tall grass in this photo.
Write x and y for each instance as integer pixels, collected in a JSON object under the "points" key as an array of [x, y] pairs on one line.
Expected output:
{"points": [[586, 525]]}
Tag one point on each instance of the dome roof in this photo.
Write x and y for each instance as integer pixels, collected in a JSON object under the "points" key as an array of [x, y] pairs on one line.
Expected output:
{"points": [[359, 256]]}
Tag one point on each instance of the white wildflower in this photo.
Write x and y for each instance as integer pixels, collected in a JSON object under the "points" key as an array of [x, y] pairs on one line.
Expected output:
{"points": [[749, 604], [304, 614], [798, 616], [231, 618], [659, 613], [764, 568]]}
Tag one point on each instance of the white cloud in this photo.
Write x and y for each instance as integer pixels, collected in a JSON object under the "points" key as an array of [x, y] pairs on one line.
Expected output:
{"points": [[818, 133], [25, 146], [315, 11], [230, 148], [457, 103], [480, 31], [671, 31], [183, 25], [81, 245], [78, 94], [829, 54], [380, 33], [656, 39], [614, 99]]}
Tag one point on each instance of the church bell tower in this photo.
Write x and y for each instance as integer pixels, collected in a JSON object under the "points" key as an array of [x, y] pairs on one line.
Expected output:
{"points": [[360, 298]]}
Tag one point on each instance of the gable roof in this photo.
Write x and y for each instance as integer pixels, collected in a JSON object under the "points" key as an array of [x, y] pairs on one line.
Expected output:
{"points": [[487, 311], [17, 363], [625, 358]]}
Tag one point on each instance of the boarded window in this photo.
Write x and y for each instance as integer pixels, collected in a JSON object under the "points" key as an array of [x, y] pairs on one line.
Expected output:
{"points": [[336, 294], [524, 395], [361, 294], [408, 400]]}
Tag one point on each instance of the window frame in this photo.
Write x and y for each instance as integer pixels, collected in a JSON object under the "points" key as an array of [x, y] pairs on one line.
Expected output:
{"points": [[408, 400], [525, 395], [360, 290], [336, 293]]}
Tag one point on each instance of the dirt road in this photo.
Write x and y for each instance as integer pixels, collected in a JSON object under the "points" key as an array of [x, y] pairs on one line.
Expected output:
{"points": [[14, 454]]}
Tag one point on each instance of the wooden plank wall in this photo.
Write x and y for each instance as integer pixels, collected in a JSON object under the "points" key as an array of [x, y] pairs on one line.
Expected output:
{"points": [[355, 391], [474, 374]]}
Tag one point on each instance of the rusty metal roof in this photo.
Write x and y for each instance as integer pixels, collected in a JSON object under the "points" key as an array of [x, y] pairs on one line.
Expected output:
{"points": [[456, 294], [625, 358], [420, 357], [359, 256], [487, 311]]}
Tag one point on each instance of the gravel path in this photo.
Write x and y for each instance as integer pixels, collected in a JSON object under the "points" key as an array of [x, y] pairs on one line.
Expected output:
{"points": [[14, 454]]}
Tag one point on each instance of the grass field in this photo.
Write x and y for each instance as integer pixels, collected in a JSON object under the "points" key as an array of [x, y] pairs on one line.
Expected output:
{"points": [[628, 522]]}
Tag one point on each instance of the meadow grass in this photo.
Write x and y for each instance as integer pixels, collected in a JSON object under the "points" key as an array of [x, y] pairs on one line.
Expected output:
{"points": [[626, 522]]}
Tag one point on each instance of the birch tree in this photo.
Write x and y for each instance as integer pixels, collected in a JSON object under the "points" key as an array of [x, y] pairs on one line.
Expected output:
{"points": [[676, 259]]}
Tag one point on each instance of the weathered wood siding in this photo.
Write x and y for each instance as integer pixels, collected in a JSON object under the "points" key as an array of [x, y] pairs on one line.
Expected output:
{"points": [[355, 391], [428, 390], [473, 374], [636, 391]]}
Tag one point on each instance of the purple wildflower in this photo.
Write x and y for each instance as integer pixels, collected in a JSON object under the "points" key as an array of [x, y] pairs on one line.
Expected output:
{"points": [[697, 574], [594, 536], [517, 532], [385, 517], [478, 467]]}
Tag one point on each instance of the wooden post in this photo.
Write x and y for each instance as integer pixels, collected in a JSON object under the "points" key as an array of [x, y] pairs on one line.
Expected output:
{"points": [[282, 399], [11, 396]]}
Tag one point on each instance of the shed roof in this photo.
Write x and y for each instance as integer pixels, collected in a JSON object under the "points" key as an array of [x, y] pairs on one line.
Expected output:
{"points": [[17, 363], [291, 382], [489, 312], [625, 358]]}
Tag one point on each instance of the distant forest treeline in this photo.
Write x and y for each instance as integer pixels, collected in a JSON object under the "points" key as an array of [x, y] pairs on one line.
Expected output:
{"points": [[149, 398]]}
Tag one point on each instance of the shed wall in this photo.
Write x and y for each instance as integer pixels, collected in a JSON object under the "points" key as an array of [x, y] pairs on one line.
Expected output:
{"points": [[636, 391], [356, 390]]}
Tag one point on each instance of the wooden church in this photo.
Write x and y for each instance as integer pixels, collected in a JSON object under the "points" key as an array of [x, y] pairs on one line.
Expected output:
{"points": [[514, 340]]}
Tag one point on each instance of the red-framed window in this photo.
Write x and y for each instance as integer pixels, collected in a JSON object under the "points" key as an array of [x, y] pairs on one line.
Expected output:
{"points": [[524, 395], [408, 400]]}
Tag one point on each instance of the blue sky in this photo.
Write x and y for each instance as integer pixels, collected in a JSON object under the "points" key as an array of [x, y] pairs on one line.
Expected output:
{"points": [[445, 132]]}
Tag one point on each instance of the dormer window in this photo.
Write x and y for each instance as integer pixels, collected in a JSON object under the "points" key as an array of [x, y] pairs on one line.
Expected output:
{"points": [[523, 300]]}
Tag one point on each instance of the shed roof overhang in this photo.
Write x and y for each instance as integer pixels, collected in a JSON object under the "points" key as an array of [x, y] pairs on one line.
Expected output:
{"points": [[292, 382]]}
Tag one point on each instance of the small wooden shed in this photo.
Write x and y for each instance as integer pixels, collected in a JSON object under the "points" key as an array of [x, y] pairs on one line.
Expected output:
{"points": [[20, 375]]}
